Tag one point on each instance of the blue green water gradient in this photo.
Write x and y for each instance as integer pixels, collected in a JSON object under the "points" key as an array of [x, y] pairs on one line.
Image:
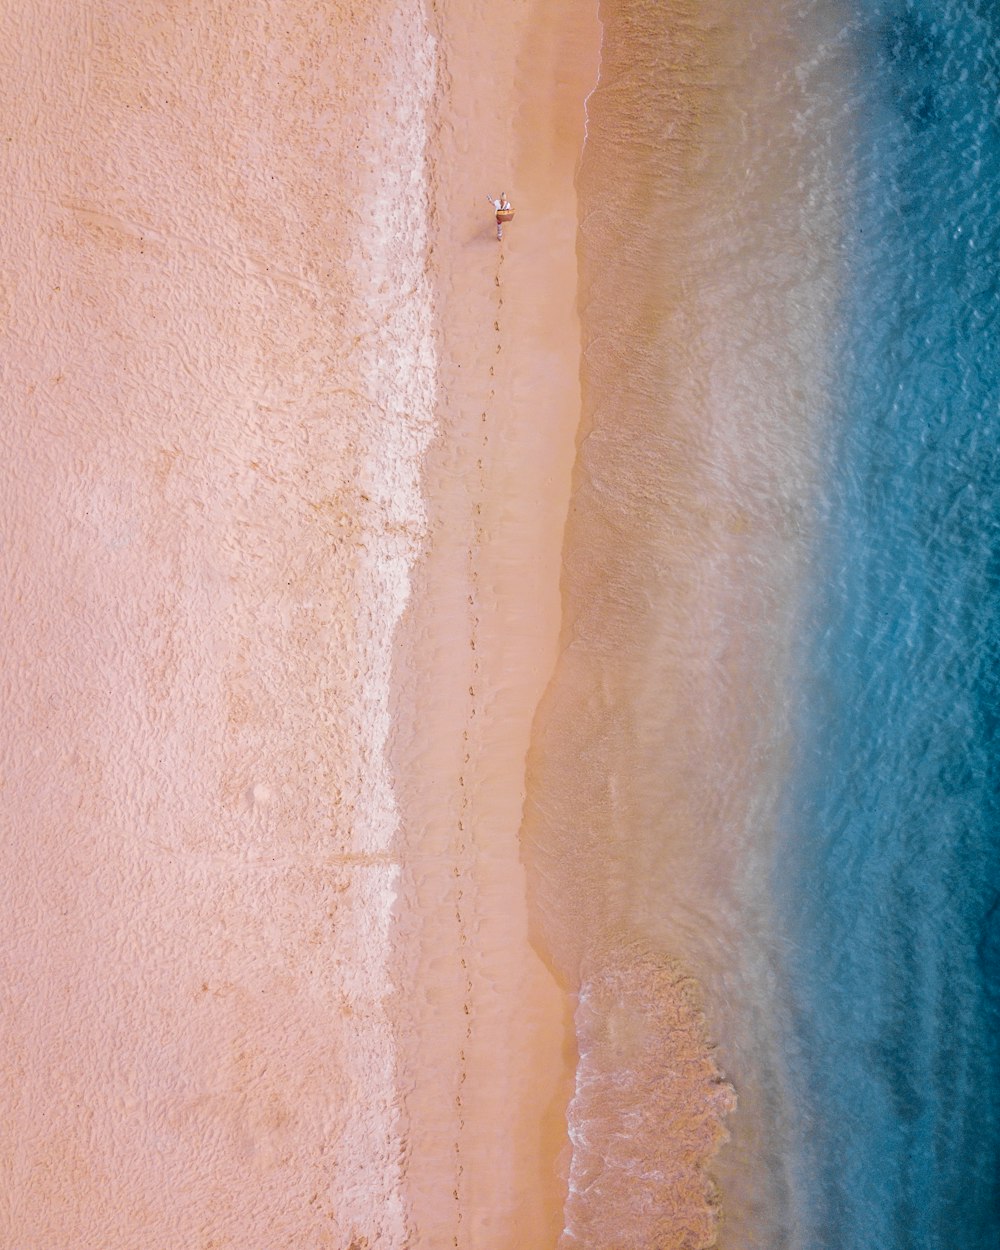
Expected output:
{"points": [[889, 873]]}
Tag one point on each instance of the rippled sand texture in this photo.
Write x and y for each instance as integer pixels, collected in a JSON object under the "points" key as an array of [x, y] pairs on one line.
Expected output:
{"points": [[219, 381], [708, 240]]}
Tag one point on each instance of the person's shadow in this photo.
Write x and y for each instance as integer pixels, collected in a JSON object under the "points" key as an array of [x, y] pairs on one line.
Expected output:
{"points": [[488, 234]]}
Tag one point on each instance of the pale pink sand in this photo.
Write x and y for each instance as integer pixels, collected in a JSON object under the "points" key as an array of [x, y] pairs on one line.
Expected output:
{"points": [[211, 445], [235, 1010]]}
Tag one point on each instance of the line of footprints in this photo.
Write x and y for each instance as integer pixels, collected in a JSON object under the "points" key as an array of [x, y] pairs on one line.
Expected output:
{"points": [[473, 566]]}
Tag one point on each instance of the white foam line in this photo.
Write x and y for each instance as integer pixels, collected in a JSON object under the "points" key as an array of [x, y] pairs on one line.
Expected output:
{"points": [[399, 367]]}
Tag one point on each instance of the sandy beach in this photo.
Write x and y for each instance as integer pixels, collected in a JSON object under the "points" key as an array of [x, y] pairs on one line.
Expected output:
{"points": [[494, 753], [286, 464]]}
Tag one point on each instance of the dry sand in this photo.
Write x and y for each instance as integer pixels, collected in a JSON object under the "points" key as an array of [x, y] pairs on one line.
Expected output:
{"points": [[257, 995]]}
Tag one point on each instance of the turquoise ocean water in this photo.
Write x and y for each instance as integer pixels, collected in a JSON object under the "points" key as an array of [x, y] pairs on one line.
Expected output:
{"points": [[888, 877], [769, 754]]}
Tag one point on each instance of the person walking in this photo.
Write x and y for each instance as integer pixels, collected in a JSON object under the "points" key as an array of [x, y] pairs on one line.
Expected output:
{"points": [[503, 211]]}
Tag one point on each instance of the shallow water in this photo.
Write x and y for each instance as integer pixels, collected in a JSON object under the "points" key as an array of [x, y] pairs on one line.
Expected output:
{"points": [[768, 756], [710, 229]]}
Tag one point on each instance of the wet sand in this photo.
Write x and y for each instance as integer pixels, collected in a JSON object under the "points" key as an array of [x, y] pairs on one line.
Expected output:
{"points": [[264, 926], [490, 1050]]}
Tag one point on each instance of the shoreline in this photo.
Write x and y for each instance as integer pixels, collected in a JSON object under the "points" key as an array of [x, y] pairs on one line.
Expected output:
{"points": [[486, 1059], [654, 781]]}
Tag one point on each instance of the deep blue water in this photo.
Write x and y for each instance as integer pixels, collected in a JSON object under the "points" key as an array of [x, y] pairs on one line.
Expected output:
{"points": [[890, 872]]}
